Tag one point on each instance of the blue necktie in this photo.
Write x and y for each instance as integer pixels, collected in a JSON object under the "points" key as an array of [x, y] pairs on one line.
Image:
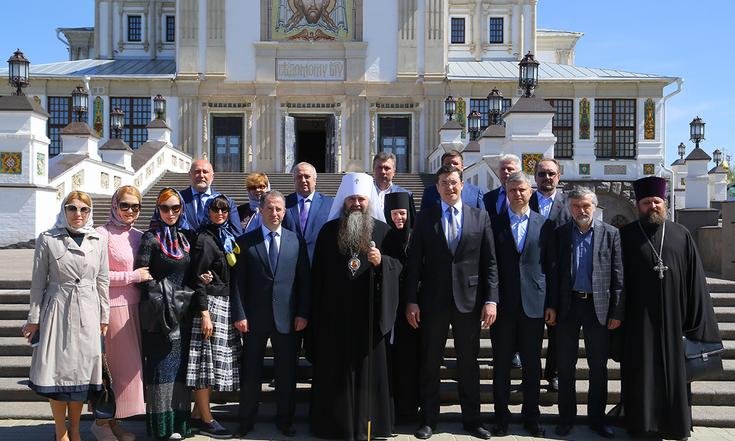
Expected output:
{"points": [[273, 251], [452, 234], [500, 203]]}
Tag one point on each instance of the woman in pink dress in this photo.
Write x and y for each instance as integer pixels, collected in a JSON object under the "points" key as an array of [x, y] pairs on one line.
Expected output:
{"points": [[122, 342]]}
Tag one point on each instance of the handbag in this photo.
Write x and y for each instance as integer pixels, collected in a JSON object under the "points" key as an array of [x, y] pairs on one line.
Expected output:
{"points": [[703, 360], [165, 306], [103, 407]]}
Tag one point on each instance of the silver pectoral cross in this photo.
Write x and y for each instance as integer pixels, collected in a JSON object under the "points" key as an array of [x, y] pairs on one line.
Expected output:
{"points": [[660, 267]]}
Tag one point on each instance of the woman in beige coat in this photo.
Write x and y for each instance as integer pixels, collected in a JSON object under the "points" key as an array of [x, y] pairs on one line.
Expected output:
{"points": [[69, 310]]}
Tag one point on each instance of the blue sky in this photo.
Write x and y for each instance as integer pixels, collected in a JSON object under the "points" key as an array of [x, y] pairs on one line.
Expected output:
{"points": [[668, 37]]}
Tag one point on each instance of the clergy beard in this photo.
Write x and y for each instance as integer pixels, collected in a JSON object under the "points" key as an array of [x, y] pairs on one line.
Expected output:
{"points": [[653, 217], [355, 232]]}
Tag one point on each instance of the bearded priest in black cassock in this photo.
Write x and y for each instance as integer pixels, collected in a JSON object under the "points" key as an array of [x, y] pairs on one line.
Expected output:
{"points": [[666, 298], [348, 249]]}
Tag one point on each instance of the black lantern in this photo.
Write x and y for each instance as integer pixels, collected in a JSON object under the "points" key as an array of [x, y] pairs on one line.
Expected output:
{"points": [[116, 121], [159, 106], [717, 156], [494, 106], [681, 149], [450, 106], [696, 130], [473, 123], [18, 71], [528, 74], [79, 102]]}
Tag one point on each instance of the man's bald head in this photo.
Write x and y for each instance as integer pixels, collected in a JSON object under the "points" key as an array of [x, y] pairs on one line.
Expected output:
{"points": [[201, 175]]}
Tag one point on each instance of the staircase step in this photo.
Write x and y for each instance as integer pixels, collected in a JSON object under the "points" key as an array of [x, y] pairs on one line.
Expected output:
{"points": [[723, 299], [11, 328], [15, 296], [17, 311]]}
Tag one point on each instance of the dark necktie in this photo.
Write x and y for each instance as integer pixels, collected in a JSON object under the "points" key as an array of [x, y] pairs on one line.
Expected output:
{"points": [[273, 251], [303, 213], [200, 206]]}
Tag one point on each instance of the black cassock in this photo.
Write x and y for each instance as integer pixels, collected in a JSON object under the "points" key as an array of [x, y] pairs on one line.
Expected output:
{"points": [[658, 312], [338, 341]]}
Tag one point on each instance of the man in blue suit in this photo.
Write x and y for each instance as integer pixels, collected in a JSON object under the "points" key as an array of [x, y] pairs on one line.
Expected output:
{"points": [[199, 192], [471, 193], [384, 170], [307, 210], [270, 299], [521, 237]]}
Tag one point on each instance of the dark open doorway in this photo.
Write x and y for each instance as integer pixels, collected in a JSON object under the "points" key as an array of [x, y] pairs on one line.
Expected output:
{"points": [[311, 141]]}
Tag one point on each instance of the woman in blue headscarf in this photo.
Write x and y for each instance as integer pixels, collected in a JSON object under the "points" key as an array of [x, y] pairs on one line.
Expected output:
{"points": [[164, 249], [215, 343]]}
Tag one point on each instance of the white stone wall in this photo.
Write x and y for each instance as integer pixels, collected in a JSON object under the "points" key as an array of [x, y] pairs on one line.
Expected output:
{"points": [[25, 213]]}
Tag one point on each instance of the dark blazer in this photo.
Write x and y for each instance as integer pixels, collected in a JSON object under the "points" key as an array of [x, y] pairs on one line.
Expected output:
{"points": [[471, 195], [607, 272], [490, 199], [559, 213], [318, 215], [189, 212], [470, 275], [270, 301], [522, 275]]}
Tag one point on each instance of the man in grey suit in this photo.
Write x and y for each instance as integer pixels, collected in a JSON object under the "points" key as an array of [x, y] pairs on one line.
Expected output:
{"points": [[521, 238], [451, 256], [586, 290], [307, 210], [270, 299]]}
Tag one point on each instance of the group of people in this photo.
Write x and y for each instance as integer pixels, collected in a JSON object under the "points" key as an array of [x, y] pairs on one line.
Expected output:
{"points": [[368, 288]]}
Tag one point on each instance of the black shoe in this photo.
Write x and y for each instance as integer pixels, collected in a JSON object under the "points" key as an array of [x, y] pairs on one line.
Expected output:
{"points": [[423, 432], [516, 361], [214, 429], [534, 429], [563, 429], [478, 431], [500, 429], [244, 430], [287, 429], [603, 430], [554, 384]]}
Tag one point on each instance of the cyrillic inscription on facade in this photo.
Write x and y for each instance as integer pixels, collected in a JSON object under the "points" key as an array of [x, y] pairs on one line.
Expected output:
{"points": [[310, 70]]}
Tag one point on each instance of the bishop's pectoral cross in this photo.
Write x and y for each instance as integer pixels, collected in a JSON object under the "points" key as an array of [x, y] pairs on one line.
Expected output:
{"points": [[660, 267]]}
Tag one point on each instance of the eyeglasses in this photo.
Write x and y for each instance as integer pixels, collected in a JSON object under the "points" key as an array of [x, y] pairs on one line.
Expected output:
{"points": [[257, 187], [169, 208], [546, 174], [71, 208], [124, 206], [219, 210]]}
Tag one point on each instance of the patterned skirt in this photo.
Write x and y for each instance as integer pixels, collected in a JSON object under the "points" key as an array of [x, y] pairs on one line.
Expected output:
{"points": [[213, 362]]}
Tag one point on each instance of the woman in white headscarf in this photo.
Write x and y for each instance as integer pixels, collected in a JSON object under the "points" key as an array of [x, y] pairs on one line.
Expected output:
{"points": [[69, 311]]}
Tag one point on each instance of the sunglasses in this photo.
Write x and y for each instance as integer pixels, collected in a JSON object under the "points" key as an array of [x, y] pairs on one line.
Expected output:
{"points": [[124, 206], [219, 210], [73, 209], [170, 208], [546, 174], [257, 187]]}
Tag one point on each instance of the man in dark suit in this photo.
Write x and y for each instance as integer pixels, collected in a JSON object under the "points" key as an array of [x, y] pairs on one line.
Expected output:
{"points": [[496, 201], [307, 210], [471, 193], [521, 238], [270, 299], [551, 203], [384, 170], [586, 290], [451, 256], [199, 192]]}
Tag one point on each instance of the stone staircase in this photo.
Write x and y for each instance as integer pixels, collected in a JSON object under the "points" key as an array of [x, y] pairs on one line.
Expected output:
{"points": [[714, 401]]}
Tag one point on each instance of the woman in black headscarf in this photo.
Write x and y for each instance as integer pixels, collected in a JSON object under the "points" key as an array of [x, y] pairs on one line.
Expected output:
{"points": [[404, 340]]}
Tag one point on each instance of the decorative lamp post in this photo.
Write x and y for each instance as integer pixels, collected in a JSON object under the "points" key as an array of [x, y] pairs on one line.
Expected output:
{"points": [[473, 123], [681, 149], [159, 106], [79, 102], [116, 122], [696, 130], [450, 106], [18, 71], [717, 157], [528, 74], [494, 106]]}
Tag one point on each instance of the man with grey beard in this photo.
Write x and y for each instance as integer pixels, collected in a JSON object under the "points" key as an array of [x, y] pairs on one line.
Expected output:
{"points": [[666, 299], [349, 270]]}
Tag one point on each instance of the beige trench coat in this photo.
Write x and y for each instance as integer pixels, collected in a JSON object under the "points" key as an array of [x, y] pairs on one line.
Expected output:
{"points": [[69, 300]]}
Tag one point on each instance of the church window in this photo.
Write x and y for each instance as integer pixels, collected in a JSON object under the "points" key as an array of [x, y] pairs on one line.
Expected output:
{"points": [[60, 115], [137, 116], [615, 128], [170, 28], [135, 28], [495, 30], [562, 126], [458, 30]]}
